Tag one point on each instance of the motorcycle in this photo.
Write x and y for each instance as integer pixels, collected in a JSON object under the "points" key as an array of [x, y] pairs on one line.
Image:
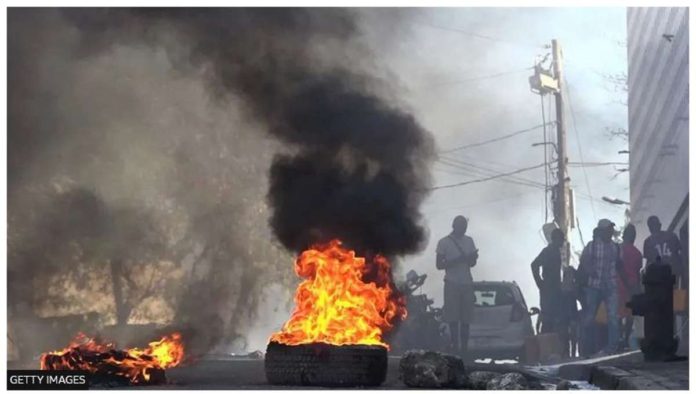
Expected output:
{"points": [[423, 327]]}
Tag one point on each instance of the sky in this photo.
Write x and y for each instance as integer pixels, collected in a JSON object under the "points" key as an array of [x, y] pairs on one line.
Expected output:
{"points": [[463, 72]]}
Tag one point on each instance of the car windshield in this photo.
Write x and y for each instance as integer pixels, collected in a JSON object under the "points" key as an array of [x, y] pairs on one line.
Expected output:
{"points": [[493, 295]]}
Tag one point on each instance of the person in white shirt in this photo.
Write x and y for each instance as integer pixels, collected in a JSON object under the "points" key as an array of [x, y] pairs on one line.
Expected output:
{"points": [[456, 254]]}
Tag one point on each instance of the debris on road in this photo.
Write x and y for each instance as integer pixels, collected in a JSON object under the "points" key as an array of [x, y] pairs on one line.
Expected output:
{"points": [[428, 369], [566, 385], [478, 380], [508, 381]]}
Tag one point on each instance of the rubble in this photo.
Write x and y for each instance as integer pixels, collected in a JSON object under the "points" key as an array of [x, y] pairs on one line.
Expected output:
{"points": [[508, 381], [478, 380], [565, 385], [428, 369]]}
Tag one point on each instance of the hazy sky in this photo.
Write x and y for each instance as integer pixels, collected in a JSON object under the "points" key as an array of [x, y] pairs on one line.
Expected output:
{"points": [[438, 63]]}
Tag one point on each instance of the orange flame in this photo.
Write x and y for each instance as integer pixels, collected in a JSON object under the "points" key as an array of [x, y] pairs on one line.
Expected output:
{"points": [[342, 300], [86, 354]]}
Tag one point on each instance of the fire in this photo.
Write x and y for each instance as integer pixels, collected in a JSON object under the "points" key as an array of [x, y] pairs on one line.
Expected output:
{"points": [[87, 354], [343, 300]]}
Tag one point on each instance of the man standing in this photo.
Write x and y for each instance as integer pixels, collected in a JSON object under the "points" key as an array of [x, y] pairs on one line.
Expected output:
{"points": [[549, 282], [662, 244], [456, 254], [632, 262], [601, 259]]}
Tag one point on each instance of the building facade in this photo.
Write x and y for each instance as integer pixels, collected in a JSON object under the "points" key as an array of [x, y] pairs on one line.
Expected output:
{"points": [[658, 122]]}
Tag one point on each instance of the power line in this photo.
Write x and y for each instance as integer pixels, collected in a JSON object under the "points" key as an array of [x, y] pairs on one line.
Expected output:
{"points": [[475, 35], [596, 164], [479, 78], [513, 181], [496, 139], [577, 138], [476, 170], [486, 202], [488, 178]]}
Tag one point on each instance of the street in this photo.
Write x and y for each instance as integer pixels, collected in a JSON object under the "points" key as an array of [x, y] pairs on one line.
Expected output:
{"points": [[248, 374]]}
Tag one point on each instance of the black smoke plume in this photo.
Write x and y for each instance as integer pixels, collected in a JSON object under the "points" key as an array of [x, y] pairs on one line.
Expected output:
{"points": [[358, 167]]}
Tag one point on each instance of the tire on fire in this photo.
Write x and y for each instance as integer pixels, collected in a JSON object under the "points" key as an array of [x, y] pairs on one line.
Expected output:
{"points": [[320, 364]]}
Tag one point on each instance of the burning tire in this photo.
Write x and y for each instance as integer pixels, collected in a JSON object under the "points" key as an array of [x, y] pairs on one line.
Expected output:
{"points": [[320, 364]]}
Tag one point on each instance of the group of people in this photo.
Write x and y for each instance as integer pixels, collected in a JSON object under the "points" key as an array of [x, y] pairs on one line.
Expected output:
{"points": [[607, 276]]}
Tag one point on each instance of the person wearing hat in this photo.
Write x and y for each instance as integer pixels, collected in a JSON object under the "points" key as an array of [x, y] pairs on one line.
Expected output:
{"points": [[456, 254], [601, 259]]}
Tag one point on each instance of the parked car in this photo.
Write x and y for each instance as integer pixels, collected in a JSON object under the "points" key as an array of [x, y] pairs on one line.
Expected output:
{"points": [[501, 321]]}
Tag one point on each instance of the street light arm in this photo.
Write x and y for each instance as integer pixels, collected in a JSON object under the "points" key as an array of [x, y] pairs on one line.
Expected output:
{"points": [[547, 143]]}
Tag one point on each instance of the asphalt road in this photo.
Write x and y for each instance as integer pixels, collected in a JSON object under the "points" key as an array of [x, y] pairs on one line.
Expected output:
{"points": [[248, 374]]}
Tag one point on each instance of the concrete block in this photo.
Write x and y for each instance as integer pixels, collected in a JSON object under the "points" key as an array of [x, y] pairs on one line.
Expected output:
{"points": [[575, 371], [549, 347]]}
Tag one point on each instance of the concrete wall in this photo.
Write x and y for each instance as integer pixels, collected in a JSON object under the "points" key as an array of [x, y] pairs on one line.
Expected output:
{"points": [[658, 110]]}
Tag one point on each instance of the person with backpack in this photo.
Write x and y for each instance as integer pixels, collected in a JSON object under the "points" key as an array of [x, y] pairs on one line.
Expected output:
{"points": [[601, 265], [456, 254]]}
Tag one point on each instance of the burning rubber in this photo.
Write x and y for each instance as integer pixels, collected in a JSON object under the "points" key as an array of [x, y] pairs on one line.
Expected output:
{"points": [[334, 337], [321, 364], [107, 365]]}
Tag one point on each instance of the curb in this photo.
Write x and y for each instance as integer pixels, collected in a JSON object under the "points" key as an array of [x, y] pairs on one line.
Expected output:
{"points": [[612, 378]]}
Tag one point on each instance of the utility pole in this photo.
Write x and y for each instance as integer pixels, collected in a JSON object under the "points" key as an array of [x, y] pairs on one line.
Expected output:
{"points": [[561, 208], [546, 82]]}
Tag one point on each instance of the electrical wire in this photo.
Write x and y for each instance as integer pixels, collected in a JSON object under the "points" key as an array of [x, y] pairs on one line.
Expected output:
{"points": [[496, 139], [478, 78], [472, 169], [502, 179], [476, 204], [486, 179], [475, 35], [595, 164], [577, 139]]}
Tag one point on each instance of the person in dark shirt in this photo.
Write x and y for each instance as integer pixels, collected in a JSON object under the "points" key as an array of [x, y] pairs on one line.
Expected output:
{"points": [[632, 263], [568, 312], [663, 246], [549, 281]]}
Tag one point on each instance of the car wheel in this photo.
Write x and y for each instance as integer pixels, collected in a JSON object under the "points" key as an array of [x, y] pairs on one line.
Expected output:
{"points": [[320, 364]]}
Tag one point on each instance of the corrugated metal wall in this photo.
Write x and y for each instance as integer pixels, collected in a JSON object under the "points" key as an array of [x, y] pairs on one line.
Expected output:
{"points": [[658, 111], [658, 123]]}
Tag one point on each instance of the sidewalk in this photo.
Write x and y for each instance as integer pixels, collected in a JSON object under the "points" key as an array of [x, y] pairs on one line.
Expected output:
{"points": [[639, 375], [629, 372]]}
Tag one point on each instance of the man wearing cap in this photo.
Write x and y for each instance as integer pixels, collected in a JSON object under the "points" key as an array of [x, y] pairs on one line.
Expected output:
{"points": [[456, 254], [601, 258]]}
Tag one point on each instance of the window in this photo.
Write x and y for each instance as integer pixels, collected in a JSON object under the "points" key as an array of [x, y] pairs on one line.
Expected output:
{"points": [[487, 296]]}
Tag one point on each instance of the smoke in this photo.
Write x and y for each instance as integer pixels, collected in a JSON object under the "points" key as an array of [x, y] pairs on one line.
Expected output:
{"points": [[157, 113], [358, 170]]}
